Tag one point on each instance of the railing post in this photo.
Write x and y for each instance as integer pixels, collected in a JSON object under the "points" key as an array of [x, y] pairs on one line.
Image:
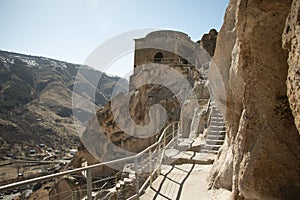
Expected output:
{"points": [[150, 167], [159, 157], [116, 178], [117, 194], [165, 139], [178, 129], [136, 178], [173, 133], [89, 183]]}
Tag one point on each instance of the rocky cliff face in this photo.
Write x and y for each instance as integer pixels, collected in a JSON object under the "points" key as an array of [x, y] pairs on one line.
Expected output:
{"points": [[208, 41], [261, 156], [113, 141], [291, 42]]}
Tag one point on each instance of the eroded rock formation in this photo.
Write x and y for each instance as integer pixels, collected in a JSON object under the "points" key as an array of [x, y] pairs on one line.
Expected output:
{"points": [[291, 42], [208, 41], [112, 140], [261, 156]]}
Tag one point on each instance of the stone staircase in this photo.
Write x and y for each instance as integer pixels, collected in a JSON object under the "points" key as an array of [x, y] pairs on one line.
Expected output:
{"points": [[182, 151], [128, 175], [216, 132], [125, 180]]}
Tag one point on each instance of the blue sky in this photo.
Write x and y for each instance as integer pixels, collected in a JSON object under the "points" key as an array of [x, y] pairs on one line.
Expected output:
{"points": [[70, 30]]}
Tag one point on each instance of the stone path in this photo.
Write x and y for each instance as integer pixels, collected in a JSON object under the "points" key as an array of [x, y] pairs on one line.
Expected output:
{"points": [[186, 175], [186, 182]]}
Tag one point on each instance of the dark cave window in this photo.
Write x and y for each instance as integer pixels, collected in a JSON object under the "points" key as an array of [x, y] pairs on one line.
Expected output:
{"points": [[158, 57], [183, 61]]}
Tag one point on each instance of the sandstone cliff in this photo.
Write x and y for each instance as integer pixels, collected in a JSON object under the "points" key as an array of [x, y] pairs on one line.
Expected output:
{"points": [[113, 141], [208, 41], [291, 42], [261, 156]]}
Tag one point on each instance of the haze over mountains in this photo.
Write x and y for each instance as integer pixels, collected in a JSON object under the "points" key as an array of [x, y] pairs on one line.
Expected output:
{"points": [[36, 100]]}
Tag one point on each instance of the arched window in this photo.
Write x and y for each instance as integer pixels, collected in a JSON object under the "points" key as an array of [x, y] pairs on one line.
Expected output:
{"points": [[183, 61], [158, 57]]}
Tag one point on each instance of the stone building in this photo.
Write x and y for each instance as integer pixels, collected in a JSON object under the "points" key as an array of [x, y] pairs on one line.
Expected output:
{"points": [[179, 54], [171, 48]]}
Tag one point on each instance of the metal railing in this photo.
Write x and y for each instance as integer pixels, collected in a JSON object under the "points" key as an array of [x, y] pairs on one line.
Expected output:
{"points": [[158, 148], [170, 60], [165, 139], [208, 104]]}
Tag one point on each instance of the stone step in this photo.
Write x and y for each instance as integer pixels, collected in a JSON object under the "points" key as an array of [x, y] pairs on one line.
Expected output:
{"points": [[131, 176], [196, 148], [216, 132], [211, 147], [128, 180], [210, 151], [216, 137], [214, 151], [128, 168], [217, 123], [215, 110], [217, 115], [217, 128], [121, 182], [214, 142], [213, 132], [217, 118]]}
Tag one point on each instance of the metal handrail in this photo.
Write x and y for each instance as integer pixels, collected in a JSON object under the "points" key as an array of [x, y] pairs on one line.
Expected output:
{"points": [[208, 105], [169, 60], [149, 179], [162, 139]]}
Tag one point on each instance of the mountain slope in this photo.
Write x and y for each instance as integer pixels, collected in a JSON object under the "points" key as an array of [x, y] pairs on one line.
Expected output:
{"points": [[36, 100]]}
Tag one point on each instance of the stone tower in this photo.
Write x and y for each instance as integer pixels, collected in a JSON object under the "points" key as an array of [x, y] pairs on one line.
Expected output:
{"points": [[172, 48]]}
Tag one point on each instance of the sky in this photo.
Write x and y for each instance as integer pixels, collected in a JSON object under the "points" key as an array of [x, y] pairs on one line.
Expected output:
{"points": [[70, 30]]}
